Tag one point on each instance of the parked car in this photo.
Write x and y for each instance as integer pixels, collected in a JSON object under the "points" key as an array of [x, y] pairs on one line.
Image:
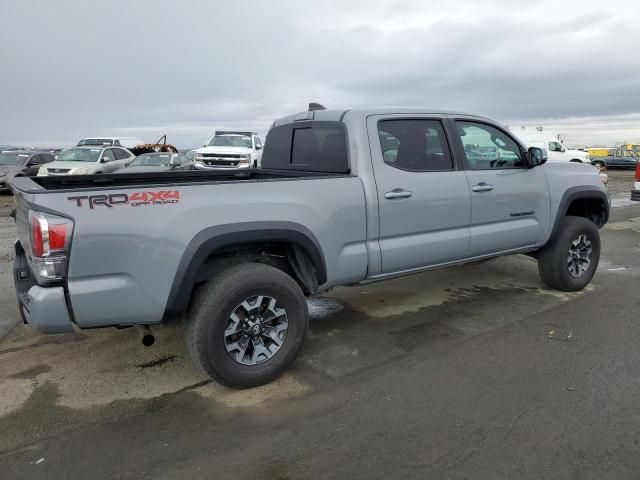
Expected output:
{"points": [[157, 162], [87, 160], [237, 252], [160, 146], [557, 152], [128, 142], [230, 150], [615, 157], [21, 162]]}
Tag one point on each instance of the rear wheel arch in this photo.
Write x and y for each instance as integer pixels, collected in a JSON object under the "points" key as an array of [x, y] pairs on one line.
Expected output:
{"points": [[289, 247]]}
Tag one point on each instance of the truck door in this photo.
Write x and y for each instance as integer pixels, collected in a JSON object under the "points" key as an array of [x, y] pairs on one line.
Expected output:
{"points": [[510, 202], [424, 203]]}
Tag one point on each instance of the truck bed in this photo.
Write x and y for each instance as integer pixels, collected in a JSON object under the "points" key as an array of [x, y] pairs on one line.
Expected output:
{"points": [[177, 178], [134, 234]]}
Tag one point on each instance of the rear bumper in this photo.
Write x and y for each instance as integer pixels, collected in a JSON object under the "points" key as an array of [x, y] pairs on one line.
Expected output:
{"points": [[44, 308]]}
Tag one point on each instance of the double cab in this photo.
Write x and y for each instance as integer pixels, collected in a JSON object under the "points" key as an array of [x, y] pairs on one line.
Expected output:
{"points": [[344, 197]]}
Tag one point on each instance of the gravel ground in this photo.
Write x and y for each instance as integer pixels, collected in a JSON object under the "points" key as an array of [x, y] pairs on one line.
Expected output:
{"points": [[620, 182]]}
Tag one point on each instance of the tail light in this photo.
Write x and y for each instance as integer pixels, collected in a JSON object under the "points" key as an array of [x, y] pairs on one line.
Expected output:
{"points": [[637, 179], [50, 236]]}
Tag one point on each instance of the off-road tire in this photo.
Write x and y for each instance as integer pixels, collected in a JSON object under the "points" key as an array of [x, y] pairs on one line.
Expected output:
{"points": [[211, 310], [553, 258]]}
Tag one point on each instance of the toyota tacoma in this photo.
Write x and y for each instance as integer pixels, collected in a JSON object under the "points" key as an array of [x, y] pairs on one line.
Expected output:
{"points": [[344, 197]]}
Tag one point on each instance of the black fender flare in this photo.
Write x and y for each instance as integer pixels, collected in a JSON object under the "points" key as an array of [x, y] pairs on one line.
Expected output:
{"points": [[576, 193], [212, 239]]}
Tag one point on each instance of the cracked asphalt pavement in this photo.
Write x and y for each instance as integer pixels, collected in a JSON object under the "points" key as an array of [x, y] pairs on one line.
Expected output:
{"points": [[475, 372]]}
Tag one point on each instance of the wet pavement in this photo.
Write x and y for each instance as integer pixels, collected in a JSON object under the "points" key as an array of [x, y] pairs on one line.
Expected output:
{"points": [[476, 371]]}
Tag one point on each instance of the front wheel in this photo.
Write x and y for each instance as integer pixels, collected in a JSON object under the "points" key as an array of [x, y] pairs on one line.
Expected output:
{"points": [[247, 325], [570, 259]]}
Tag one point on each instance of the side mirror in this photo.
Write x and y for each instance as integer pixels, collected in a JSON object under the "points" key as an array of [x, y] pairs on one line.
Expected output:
{"points": [[537, 156], [562, 149], [33, 163], [258, 147]]}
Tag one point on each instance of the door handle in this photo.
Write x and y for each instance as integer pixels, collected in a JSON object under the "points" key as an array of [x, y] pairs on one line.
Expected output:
{"points": [[397, 193], [482, 187]]}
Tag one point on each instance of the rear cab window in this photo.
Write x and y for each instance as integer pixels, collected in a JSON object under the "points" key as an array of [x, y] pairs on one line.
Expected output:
{"points": [[316, 146]]}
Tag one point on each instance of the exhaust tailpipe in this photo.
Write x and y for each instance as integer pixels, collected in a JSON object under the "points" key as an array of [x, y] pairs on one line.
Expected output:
{"points": [[146, 336]]}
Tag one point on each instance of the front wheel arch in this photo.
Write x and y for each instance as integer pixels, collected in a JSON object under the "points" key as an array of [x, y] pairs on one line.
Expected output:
{"points": [[582, 201]]}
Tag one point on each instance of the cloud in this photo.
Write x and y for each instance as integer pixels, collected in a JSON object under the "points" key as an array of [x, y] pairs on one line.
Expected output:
{"points": [[189, 67]]}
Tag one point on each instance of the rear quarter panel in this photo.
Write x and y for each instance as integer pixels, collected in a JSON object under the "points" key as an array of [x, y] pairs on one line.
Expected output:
{"points": [[124, 258]]}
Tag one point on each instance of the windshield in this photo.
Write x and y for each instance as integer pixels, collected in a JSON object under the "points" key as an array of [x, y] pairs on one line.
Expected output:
{"points": [[151, 161], [80, 155], [231, 141], [95, 141], [9, 158]]}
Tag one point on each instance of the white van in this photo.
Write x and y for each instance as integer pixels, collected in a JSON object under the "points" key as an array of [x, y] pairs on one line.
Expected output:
{"points": [[556, 151], [127, 142]]}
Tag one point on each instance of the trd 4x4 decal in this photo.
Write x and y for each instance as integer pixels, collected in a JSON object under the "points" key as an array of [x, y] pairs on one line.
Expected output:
{"points": [[135, 199]]}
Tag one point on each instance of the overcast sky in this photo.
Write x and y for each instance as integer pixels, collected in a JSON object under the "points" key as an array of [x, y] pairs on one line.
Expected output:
{"points": [[75, 68]]}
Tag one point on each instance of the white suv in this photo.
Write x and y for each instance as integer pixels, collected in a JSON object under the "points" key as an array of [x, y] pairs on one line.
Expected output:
{"points": [[230, 150]]}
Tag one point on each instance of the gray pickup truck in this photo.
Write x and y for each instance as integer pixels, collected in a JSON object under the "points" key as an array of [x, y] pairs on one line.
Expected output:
{"points": [[344, 197]]}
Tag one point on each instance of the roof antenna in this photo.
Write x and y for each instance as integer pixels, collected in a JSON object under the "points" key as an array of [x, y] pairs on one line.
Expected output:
{"points": [[316, 106]]}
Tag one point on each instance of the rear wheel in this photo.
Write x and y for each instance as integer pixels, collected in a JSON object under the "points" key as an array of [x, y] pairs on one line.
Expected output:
{"points": [[247, 325], [569, 261]]}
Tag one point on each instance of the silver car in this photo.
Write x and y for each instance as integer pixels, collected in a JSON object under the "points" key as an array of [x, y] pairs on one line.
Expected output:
{"points": [[87, 161]]}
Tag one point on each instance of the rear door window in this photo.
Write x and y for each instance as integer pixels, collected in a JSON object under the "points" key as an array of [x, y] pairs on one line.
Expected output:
{"points": [[108, 155], [415, 145], [120, 154]]}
